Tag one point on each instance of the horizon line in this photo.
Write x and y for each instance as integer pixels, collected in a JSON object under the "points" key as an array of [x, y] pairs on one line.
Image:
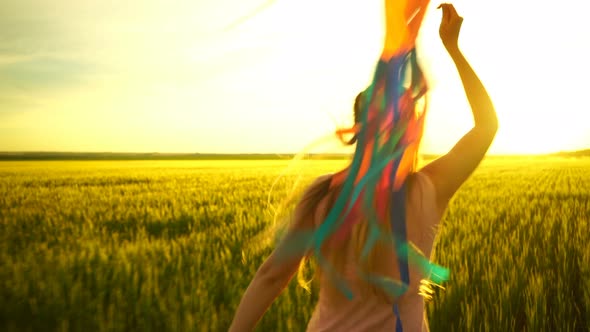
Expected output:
{"points": [[57, 152]]}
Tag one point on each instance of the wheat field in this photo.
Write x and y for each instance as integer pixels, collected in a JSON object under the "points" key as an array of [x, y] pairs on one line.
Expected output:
{"points": [[159, 245]]}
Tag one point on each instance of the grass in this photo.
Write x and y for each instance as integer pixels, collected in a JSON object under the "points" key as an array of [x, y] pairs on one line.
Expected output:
{"points": [[158, 246]]}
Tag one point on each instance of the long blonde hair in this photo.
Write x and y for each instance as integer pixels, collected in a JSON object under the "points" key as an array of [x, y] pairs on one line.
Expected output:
{"points": [[322, 195]]}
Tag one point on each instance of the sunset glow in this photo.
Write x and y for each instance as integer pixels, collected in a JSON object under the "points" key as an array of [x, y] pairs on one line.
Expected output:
{"points": [[249, 76]]}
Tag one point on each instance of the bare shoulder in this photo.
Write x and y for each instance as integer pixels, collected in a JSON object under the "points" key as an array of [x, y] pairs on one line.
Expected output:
{"points": [[422, 185], [322, 178], [451, 170], [310, 199], [320, 184], [319, 196]]}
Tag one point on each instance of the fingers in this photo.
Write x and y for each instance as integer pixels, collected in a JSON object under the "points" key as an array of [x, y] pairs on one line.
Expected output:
{"points": [[453, 11], [449, 12], [445, 12]]}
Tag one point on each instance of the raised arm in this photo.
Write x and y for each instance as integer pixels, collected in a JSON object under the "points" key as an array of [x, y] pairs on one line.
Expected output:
{"points": [[450, 171]]}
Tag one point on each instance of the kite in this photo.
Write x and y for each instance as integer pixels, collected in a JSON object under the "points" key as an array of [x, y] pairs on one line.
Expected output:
{"points": [[388, 137], [373, 186]]}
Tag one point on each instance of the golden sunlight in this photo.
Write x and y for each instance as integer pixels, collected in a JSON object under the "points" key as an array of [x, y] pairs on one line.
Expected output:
{"points": [[225, 76]]}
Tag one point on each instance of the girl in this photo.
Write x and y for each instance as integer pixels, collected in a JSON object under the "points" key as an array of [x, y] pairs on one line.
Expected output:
{"points": [[427, 194]]}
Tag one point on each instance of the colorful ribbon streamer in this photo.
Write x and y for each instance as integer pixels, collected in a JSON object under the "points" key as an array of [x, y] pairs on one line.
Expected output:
{"points": [[388, 137]]}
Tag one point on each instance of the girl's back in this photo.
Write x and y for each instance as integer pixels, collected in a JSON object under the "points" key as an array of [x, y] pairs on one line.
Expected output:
{"points": [[368, 311], [428, 194]]}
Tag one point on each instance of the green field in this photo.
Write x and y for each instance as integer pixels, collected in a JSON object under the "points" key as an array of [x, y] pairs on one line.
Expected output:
{"points": [[158, 246]]}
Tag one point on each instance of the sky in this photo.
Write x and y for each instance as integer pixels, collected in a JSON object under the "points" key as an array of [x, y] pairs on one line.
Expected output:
{"points": [[258, 76]]}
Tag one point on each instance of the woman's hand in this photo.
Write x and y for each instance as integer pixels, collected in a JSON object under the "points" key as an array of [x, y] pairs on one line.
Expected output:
{"points": [[450, 26]]}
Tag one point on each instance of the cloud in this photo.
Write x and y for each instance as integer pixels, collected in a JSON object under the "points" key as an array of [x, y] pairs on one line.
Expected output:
{"points": [[30, 83], [43, 73]]}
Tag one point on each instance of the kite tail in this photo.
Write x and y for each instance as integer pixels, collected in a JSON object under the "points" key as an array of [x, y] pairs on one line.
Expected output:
{"points": [[393, 109], [388, 140]]}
